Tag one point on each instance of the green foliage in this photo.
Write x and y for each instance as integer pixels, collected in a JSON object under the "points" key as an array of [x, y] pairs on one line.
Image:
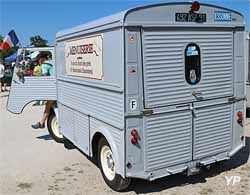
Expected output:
{"points": [[1, 39], [38, 41]]}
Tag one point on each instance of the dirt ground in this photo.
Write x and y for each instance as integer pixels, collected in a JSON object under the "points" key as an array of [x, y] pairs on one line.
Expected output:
{"points": [[33, 164]]}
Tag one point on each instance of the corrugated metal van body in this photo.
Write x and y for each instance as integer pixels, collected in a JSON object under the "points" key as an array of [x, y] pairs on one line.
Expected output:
{"points": [[75, 127], [100, 98], [248, 71], [212, 130], [168, 139], [83, 101], [164, 61], [84, 98]]}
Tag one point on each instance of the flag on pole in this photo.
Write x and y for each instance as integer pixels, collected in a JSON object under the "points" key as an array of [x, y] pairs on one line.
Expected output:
{"points": [[9, 41]]}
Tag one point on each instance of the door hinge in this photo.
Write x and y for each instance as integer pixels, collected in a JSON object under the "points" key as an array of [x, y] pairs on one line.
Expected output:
{"points": [[147, 112], [236, 99]]}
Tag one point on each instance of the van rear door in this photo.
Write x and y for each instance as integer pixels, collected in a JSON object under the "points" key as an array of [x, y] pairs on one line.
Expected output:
{"points": [[166, 65], [30, 88], [188, 78]]}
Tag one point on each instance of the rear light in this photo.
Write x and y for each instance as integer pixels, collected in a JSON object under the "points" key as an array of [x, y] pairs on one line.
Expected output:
{"points": [[134, 134], [240, 117], [239, 114], [134, 140], [195, 6]]}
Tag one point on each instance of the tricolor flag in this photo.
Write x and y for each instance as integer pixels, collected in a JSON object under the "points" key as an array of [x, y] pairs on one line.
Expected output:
{"points": [[9, 41]]}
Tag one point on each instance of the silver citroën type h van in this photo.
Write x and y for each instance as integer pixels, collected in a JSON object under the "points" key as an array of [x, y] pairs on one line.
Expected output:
{"points": [[151, 91]]}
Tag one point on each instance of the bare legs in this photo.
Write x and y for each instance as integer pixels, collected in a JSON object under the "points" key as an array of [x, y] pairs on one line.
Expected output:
{"points": [[41, 124], [3, 84], [45, 116], [4, 87]]}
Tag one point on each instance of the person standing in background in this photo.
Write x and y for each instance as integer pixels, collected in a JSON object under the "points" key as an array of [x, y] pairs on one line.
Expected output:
{"points": [[2, 79]]}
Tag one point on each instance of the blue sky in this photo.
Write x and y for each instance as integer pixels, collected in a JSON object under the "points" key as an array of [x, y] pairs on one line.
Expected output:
{"points": [[47, 17]]}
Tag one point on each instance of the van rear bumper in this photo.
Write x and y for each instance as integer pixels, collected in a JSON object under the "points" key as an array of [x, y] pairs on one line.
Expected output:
{"points": [[188, 168]]}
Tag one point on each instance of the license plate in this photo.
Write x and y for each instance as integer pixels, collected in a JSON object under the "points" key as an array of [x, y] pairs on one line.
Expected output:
{"points": [[222, 16], [190, 17]]}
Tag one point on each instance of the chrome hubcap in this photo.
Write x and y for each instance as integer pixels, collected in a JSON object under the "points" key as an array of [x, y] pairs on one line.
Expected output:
{"points": [[55, 127], [107, 163]]}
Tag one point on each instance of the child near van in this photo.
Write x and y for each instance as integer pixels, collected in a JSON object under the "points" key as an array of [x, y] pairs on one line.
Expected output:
{"points": [[37, 70], [47, 70]]}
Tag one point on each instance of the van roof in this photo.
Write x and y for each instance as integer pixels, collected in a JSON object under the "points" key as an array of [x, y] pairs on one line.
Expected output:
{"points": [[118, 19]]}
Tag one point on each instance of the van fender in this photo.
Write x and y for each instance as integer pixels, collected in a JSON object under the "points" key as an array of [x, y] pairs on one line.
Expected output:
{"points": [[106, 133]]}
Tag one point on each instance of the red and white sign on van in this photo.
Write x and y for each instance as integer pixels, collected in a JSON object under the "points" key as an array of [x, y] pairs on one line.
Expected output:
{"points": [[83, 57]]}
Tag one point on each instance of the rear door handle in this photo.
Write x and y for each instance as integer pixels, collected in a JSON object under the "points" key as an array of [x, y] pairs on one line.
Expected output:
{"points": [[197, 95], [236, 99]]}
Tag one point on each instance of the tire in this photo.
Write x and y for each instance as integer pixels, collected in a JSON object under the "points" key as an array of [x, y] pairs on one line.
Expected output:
{"points": [[107, 167], [68, 144], [53, 128]]}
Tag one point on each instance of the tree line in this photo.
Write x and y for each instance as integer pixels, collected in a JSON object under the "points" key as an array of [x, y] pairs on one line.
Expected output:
{"points": [[35, 41]]}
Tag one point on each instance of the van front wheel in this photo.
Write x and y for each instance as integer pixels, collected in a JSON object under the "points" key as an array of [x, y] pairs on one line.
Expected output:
{"points": [[108, 169], [53, 128]]}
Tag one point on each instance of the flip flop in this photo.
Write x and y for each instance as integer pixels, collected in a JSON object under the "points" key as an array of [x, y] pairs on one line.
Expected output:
{"points": [[38, 126]]}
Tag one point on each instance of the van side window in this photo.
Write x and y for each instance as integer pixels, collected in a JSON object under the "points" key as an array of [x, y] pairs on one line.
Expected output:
{"points": [[192, 63]]}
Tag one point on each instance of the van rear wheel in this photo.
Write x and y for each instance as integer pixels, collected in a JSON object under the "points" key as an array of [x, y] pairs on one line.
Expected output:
{"points": [[53, 128], [108, 169]]}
